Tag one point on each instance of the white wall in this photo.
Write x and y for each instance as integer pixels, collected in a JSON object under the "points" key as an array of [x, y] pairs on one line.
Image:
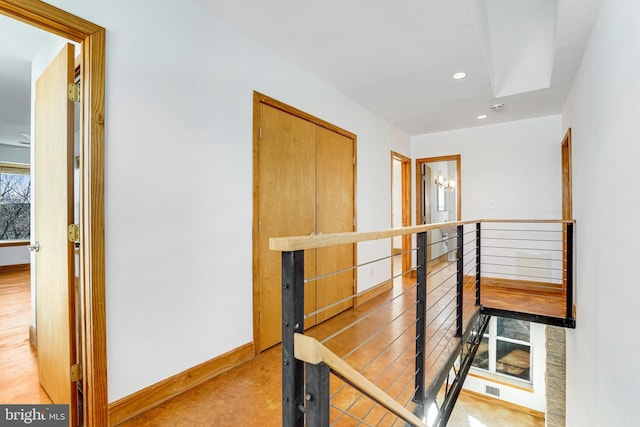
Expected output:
{"points": [[178, 210], [14, 255], [508, 170], [603, 109], [13, 154]]}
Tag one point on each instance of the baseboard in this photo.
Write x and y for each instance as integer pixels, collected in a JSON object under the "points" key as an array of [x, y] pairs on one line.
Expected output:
{"points": [[373, 292], [149, 397], [15, 267], [33, 338], [503, 403]]}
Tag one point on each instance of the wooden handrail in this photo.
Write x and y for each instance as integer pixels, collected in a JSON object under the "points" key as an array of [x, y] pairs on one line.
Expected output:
{"points": [[295, 243], [310, 350]]}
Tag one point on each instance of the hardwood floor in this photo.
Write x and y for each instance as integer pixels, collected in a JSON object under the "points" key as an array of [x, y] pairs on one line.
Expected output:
{"points": [[18, 359], [250, 394]]}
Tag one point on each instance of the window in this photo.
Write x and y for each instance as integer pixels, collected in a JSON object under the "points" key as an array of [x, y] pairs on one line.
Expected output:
{"points": [[506, 349], [15, 202]]}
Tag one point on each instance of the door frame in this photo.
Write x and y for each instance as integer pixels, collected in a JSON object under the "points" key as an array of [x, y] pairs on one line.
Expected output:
{"points": [[567, 191], [567, 196], [405, 189], [92, 261], [453, 157], [259, 98]]}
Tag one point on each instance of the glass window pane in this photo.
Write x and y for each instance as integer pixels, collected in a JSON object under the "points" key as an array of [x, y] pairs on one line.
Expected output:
{"points": [[15, 206], [514, 329], [513, 359], [482, 355]]}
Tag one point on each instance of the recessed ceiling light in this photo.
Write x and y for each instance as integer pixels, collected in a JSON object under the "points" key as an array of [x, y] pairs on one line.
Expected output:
{"points": [[458, 76], [481, 116]]}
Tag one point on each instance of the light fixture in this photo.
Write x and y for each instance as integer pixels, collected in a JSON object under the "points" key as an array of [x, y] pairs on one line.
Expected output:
{"points": [[447, 184], [450, 185], [459, 76], [481, 116], [497, 107]]}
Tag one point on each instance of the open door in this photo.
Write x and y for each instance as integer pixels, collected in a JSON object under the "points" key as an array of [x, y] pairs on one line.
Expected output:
{"points": [[53, 204]]}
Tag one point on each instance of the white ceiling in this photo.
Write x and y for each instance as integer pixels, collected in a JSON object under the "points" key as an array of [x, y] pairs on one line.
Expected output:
{"points": [[395, 58]]}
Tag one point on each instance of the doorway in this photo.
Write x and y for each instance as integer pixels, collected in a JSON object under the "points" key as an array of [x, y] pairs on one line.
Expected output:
{"points": [[438, 199], [401, 213], [91, 206]]}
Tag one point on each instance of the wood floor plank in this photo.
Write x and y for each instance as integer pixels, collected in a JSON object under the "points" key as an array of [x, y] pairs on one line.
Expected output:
{"points": [[18, 359]]}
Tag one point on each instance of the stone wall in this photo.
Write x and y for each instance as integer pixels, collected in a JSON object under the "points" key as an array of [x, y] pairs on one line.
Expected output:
{"points": [[555, 376]]}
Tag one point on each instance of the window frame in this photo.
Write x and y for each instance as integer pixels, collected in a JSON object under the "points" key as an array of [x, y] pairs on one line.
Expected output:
{"points": [[493, 338], [11, 168]]}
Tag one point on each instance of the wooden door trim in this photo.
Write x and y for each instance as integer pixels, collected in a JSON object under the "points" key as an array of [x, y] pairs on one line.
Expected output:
{"points": [[264, 99], [567, 196], [92, 281], [258, 99], [406, 205], [567, 190], [453, 157]]}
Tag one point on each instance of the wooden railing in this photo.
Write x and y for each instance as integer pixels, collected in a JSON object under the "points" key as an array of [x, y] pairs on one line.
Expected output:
{"points": [[309, 350], [474, 276]]}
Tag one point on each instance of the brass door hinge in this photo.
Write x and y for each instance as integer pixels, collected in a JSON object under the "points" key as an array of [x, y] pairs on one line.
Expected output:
{"points": [[73, 92], [76, 372], [74, 232]]}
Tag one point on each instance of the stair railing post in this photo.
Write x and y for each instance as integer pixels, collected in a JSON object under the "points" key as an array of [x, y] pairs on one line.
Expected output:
{"points": [[421, 317], [317, 396], [569, 263], [292, 322], [459, 279], [478, 261]]}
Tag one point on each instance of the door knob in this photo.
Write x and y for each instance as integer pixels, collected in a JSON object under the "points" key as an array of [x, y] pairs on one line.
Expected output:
{"points": [[34, 248]]}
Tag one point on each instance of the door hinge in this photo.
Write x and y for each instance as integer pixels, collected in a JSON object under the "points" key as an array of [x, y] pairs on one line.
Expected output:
{"points": [[73, 92], [259, 133], [76, 372], [354, 161], [74, 232]]}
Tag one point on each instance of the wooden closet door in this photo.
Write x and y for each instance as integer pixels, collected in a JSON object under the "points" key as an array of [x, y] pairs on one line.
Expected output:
{"points": [[335, 214], [287, 206]]}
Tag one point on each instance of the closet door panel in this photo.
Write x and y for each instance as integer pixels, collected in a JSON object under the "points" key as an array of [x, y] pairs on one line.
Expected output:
{"points": [[335, 213], [287, 206]]}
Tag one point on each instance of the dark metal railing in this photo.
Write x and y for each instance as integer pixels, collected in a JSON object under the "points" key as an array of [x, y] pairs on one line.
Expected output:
{"points": [[444, 311]]}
